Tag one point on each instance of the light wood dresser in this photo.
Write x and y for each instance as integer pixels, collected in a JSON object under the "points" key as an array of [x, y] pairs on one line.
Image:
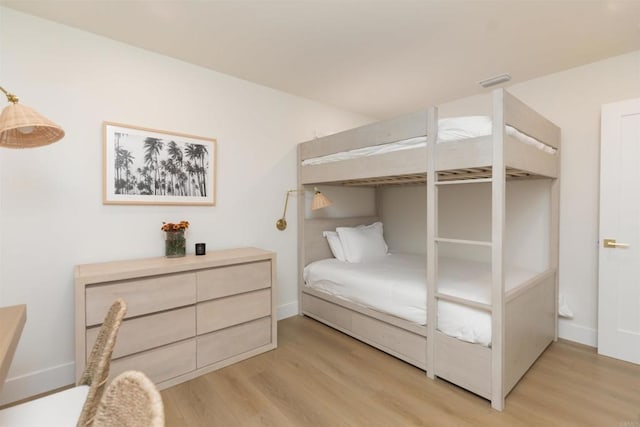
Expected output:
{"points": [[185, 317]]}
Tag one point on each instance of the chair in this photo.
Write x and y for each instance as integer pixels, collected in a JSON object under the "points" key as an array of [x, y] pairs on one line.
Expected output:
{"points": [[131, 400], [76, 405], [96, 373]]}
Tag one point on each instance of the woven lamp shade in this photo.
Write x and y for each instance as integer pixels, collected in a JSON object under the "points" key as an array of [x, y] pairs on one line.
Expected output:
{"points": [[320, 201], [23, 127]]}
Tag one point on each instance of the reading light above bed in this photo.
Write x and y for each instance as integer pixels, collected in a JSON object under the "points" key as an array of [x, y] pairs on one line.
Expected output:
{"points": [[319, 201], [23, 127]]}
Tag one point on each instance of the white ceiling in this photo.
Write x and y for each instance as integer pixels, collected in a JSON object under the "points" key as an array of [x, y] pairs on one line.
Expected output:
{"points": [[379, 58]]}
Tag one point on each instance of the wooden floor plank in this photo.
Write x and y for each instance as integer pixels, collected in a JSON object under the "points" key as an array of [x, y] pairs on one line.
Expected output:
{"points": [[320, 377]]}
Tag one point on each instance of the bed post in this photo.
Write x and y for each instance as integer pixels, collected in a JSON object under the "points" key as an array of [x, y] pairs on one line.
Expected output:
{"points": [[554, 241], [432, 251], [497, 258], [301, 208]]}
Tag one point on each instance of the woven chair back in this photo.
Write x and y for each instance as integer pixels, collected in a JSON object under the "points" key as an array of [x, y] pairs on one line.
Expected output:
{"points": [[96, 373], [131, 400]]}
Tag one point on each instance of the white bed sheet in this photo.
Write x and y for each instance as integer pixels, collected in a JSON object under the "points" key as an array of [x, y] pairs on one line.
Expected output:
{"points": [[396, 284], [457, 128]]}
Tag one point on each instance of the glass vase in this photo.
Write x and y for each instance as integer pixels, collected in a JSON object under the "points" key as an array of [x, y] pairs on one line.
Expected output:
{"points": [[175, 244]]}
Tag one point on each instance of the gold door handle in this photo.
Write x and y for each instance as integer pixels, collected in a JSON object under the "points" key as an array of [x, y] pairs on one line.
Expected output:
{"points": [[611, 243]]}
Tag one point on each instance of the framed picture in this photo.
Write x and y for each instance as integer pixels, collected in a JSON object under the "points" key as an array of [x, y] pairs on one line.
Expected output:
{"points": [[154, 167]]}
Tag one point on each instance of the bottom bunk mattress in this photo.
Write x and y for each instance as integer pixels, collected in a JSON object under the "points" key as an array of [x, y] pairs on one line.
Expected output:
{"points": [[396, 285]]}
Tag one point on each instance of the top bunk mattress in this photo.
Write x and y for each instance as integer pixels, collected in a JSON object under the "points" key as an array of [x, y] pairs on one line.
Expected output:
{"points": [[396, 284], [449, 129]]}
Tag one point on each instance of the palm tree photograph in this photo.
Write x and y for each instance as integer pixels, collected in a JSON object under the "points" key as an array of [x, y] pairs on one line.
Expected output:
{"points": [[144, 166]]}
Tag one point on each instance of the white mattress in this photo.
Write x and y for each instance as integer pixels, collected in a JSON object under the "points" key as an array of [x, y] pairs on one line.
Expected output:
{"points": [[396, 285], [451, 129]]}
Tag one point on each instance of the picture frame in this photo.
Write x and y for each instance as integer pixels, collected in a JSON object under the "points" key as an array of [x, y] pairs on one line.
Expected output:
{"points": [[153, 167]]}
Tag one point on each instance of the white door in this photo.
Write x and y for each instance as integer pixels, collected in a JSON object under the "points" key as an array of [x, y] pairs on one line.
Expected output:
{"points": [[619, 253]]}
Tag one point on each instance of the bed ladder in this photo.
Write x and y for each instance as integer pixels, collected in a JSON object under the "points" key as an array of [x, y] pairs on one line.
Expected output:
{"points": [[496, 308]]}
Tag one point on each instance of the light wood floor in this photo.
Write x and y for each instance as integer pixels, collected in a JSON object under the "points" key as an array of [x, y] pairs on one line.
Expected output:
{"points": [[320, 377]]}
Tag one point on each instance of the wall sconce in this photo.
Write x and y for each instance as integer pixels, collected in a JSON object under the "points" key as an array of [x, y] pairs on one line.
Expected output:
{"points": [[319, 201], [23, 127]]}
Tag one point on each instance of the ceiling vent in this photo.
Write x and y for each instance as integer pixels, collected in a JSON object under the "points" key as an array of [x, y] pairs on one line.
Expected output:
{"points": [[502, 78]]}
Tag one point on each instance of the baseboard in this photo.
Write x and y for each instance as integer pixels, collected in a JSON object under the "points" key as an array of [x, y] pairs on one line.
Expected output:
{"points": [[570, 331], [34, 383], [287, 310]]}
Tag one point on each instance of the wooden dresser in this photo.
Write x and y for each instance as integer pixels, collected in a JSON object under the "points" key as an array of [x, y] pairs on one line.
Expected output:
{"points": [[185, 317]]}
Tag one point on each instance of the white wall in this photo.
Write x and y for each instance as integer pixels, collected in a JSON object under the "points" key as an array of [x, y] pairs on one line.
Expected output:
{"points": [[403, 210], [572, 100], [51, 210]]}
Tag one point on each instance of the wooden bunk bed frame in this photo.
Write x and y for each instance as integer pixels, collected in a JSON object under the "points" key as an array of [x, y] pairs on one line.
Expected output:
{"points": [[524, 320]]}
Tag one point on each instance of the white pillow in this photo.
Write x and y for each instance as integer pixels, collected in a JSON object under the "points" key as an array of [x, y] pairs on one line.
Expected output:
{"points": [[362, 243], [335, 244]]}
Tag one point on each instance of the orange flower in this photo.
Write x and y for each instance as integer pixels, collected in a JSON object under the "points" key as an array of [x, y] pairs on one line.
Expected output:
{"points": [[170, 226]]}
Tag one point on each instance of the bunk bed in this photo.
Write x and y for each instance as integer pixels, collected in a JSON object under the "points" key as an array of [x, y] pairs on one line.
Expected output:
{"points": [[516, 143]]}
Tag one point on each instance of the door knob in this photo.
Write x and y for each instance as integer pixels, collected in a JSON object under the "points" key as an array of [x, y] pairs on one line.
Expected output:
{"points": [[611, 243]]}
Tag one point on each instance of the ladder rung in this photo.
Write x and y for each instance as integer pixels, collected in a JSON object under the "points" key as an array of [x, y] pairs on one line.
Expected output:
{"points": [[464, 181], [463, 242], [466, 302]]}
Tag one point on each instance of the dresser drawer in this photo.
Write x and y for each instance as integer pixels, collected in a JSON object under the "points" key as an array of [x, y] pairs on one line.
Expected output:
{"points": [[235, 279], [154, 330], [223, 312], [160, 364], [233, 341], [142, 296]]}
